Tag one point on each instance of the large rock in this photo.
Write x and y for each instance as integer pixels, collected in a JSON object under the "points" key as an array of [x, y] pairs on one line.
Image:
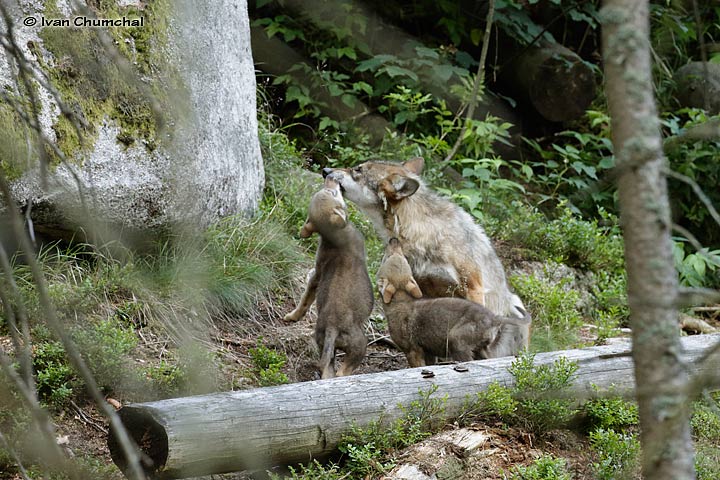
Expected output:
{"points": [[698, 83], [206, 162]]}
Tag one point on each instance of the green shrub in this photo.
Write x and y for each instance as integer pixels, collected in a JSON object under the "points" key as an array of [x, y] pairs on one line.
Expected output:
{"points": [[312, 471], [166, 379], [613, 413], [366, 449], [105, 347], [554, 310], [546, 467], [705, 421], [267, 364], [617, 453], [55, 378], [538, 390], [707, 461]]}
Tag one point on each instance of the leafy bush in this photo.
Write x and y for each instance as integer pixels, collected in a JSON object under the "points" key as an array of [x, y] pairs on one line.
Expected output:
{"points": [[699, 269], [535, 387], [105, 347], [617, 454], [54, 376], [267, 364], [367, 448], [611, 413], [705, 421], [554, 310], [546, 467]]}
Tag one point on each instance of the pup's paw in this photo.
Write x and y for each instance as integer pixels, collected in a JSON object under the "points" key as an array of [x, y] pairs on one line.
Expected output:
{"points": [[293, 316]]}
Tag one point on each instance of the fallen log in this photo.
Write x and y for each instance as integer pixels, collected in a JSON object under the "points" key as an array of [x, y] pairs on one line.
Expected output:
{"points": [[252, 429]]}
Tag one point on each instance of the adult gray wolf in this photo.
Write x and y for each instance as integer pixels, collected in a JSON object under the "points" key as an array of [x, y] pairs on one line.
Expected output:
{"points": [[449, 253]]}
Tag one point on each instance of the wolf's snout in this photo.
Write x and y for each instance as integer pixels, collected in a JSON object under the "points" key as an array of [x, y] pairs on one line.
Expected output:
{"points": [[326, 171]]}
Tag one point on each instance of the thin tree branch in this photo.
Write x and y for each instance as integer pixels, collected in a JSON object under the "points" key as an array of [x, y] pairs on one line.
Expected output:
{"points": [[128, 446], [22, 348], [698, 192], [476, 85]]}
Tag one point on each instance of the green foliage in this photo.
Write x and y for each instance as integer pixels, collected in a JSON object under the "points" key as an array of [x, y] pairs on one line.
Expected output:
{"points": [[536, 401], [312, 471], [611, 413], [166, 378], [535, 387], [618, 454], [699, 269], [707, 461], [699, 161], [590, 245], [546, 467], [554, 309], [105, 347], [267, 364], [705, 421], [495, 401], [55, 378], [366, 448]]}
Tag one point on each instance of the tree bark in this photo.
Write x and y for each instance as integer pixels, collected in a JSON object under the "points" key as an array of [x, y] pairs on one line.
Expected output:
{"points": [[667, 451], [252, 429]]}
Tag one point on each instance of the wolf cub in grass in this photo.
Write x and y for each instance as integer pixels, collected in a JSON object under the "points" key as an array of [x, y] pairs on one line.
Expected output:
{"points": [[339, 281], [453, 328]]}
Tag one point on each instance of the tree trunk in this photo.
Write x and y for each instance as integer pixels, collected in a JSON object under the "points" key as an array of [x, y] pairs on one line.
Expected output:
{"points": [[251, 429], [667, 451], [554, 80]]}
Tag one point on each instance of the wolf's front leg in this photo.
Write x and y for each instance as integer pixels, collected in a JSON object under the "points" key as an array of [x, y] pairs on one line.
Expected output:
{"points": [[307, 299]]}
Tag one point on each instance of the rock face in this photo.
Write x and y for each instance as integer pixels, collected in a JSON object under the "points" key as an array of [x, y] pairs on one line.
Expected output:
{"points": [[206, 162], [697, 81]]}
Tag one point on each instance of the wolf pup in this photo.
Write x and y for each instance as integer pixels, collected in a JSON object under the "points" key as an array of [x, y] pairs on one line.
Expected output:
{"points": [[449, 254], [447, 327], [339, 281]]}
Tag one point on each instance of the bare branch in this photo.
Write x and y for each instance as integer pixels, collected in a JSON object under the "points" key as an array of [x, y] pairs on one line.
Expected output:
{"points": [[129, 448], [479, 78], [698, 191]]}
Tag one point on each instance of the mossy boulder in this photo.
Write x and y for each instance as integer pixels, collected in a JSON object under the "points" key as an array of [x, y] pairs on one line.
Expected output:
{"points": [[149, 127]]}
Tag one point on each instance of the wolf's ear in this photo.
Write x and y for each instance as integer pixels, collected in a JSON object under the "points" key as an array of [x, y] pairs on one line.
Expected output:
{"points": [[415, 165], [413, 289], [338, 217], [397, 187], [387, 290], [307, 229]]}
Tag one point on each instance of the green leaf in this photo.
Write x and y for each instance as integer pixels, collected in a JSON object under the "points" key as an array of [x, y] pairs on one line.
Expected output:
{"points": [[475, 36], [262, 3], [395, 71], [374, 62]]}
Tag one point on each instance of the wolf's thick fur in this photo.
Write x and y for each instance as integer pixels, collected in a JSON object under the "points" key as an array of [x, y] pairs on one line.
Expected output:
{"points": [[449, 254], [453, 328], [339, 281]]}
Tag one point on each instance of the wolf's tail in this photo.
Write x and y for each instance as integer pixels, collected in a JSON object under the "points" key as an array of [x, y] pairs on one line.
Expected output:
{"points": [[327, 357]]}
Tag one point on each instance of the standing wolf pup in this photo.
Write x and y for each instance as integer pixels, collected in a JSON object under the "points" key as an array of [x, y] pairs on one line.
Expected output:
{"points": [[340, 282], [448, 252], [455, 328]]}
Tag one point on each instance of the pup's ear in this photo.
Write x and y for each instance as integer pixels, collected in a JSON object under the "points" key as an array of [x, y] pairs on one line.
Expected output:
{"points": [[387, 290], [415, 165], [397, 187], [307, 229], [413, 289], [338, 217]]}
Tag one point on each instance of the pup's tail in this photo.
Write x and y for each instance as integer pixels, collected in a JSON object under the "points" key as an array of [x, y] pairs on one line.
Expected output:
{"points": [[327, 357], [522, 317]]}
